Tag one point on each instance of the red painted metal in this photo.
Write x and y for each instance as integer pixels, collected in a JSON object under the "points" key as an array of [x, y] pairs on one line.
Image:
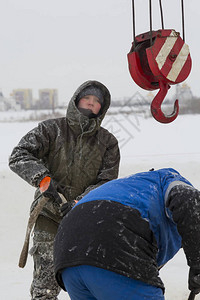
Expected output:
{"points": [[157, 102], [156, 61], [169, 58], [138, 62]]}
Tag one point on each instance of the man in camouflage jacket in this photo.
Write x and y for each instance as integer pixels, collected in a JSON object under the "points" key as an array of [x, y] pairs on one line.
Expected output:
{"points": [[78, 155]]}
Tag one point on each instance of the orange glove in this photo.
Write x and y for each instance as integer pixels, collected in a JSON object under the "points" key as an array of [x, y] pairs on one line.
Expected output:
{"points": [[48, 189], [44, 184]]}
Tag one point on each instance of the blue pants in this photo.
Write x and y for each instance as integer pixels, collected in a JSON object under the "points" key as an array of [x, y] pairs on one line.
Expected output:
{"points": [[91, 283]]}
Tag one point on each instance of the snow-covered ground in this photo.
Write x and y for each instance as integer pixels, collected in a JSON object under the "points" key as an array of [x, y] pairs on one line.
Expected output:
{"points": [[144, 144]]}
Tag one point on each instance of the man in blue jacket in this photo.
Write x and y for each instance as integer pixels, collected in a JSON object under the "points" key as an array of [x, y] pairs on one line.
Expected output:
{"points": [[111, 245]]}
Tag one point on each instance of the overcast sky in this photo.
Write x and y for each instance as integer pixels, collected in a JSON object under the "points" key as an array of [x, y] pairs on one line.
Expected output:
{"points": [[62, 43]]}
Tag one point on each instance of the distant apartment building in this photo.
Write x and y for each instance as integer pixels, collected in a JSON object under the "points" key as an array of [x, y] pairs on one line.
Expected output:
{"points": [[23, 97], [48, 98]]}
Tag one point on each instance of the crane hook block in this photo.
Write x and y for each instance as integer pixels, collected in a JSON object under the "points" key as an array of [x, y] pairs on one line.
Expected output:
{"points": [[159, 58]]}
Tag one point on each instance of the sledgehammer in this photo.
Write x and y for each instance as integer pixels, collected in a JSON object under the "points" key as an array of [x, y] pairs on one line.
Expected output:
{"points": [[32, 219]]}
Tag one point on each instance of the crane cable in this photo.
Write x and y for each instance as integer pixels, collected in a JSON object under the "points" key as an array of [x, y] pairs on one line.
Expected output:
{"points": [[162, 20]]}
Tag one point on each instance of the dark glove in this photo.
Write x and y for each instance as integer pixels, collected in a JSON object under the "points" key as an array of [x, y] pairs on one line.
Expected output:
{"points": [[48, 189], [194, 280], [66, 207]]}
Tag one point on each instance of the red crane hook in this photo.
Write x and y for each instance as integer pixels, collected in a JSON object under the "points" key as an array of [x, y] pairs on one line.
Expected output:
{"points": [[166, 62], [157, 102], [158, 59]]}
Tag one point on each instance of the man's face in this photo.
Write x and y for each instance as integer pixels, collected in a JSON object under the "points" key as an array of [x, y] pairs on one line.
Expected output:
{"points": [[90, 102]]}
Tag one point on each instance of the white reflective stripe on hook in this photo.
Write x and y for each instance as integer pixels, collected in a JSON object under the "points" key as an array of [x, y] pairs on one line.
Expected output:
{"points": [[165, 50], [178, 63]]}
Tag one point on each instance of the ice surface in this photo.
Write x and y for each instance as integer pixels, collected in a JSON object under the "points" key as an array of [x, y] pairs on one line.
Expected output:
{"points": [[144, 143]]}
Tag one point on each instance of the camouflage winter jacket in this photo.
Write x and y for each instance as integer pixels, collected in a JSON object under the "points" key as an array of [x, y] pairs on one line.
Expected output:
{"points": [[74, 150]]}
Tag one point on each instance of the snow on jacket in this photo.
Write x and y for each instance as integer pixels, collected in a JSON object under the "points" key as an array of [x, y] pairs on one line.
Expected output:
{"points": [[74, 150], [126, 226]]}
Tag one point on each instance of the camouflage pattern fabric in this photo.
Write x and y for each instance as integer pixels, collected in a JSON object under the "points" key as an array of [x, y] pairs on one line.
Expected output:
{"points": [[75, 151], [44, 285]]}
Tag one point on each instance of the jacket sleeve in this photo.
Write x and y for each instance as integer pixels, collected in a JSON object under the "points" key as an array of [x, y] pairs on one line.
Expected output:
{"points": [[26, 158], [184, 203], [110, 166]]}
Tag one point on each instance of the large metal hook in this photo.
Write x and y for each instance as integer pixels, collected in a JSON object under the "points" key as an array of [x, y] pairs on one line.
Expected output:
{"points": [[157, 102]]}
